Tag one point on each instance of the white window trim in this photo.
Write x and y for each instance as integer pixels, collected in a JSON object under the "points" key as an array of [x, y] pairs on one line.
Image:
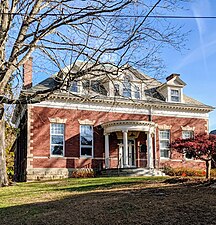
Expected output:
{"points": [[164, 158], [92, 148], [57, 156], [169, 89]]}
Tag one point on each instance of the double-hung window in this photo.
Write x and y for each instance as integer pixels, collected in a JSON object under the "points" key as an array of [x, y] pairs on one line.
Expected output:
{"points": [[175, 95], [127, 87], [57, 139], [137, 92], [116, 90], [186, 134], [86, 140], [74, 86], [164, 136]]}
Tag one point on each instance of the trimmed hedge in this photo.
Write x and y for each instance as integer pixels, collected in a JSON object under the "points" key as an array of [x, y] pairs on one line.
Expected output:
{"points": [[83, 173], [184, 172]]}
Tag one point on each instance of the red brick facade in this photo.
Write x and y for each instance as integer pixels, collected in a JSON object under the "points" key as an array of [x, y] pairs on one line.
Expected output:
{"points": [[40, 139]]}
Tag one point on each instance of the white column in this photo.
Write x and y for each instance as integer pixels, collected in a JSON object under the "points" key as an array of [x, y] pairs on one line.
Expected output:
{"points": [[106, 151], [125, 142], [150, 151], [120, 155]]}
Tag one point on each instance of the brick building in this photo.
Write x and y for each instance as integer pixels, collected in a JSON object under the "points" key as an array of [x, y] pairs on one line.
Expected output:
{"points": [[126, 121]]}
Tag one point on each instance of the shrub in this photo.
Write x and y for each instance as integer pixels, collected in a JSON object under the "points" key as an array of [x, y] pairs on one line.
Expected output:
{"points": [[83, 173], [213, 172], [184, 172]]}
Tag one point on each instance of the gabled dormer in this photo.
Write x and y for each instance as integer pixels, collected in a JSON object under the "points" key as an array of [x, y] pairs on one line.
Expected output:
{"points": [[172, 89]]}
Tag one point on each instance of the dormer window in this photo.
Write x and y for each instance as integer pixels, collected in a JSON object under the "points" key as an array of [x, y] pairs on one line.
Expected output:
{"points": [[137, 92], [175, 95], [127, 87], [116, 90], [74, 87]]}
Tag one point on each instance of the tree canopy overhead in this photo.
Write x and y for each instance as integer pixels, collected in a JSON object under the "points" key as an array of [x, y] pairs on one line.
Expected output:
{"points": [[62, 32]]}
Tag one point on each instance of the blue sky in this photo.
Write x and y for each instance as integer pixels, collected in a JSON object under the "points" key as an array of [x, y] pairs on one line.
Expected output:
{"points": [[197, 66]]}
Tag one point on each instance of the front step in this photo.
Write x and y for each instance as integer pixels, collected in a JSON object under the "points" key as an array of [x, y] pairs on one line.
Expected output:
{"points": [[132, 172]]}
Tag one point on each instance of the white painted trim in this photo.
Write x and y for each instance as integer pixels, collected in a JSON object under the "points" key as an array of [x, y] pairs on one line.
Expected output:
{"points": [[187, 128], [122, 109], [87, 122], [57, 120]]}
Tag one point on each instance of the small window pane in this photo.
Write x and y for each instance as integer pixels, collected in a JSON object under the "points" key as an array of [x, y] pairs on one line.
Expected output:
{"points": [[137, 92], [116, 90], [164, 144], [174, 98], [57, 128], [56, 139], [165, 153], [175, 92], [86, 141], [74, 86], [164, 134], [57, 150], [86, 151], [187, 134]]}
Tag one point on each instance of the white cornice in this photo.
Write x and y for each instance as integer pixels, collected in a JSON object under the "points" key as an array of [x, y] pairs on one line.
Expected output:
{"points": [[129, 109], [133, 102]]}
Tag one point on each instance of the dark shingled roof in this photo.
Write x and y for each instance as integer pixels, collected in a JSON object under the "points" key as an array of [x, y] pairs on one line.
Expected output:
{"points": [[97, 88]]}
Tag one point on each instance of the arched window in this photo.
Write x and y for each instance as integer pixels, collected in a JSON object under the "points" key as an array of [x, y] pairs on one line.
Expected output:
{"points": [[127, 87]]}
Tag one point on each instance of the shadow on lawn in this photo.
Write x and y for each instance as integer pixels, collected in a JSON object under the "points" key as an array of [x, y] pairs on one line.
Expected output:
{"points": [[163, 205], [92, 187]]}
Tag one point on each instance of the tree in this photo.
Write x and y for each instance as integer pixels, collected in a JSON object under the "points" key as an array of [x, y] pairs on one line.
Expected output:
{"points": [[201, 147], [61, 32]]}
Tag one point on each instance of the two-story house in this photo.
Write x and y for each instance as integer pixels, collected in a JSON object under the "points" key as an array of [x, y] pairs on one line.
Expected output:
{"points": [[121, 119]]}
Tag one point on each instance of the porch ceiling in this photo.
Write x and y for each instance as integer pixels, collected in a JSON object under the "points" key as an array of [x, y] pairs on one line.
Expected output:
{"points": [[128, 125]]}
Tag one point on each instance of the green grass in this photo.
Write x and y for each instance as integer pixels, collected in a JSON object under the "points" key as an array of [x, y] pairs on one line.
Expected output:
{"points": [[31, 192], [108, 201]]}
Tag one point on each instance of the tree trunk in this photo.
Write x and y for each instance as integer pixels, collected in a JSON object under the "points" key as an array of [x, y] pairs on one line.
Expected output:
{"points": [[3, 172], [208, 169]]}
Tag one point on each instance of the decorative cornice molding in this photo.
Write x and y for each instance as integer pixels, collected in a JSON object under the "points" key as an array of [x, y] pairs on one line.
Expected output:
{"points": [[136, 103], [57, 120], [164, 127], [128, 122], [87, 122], [188, 128]]}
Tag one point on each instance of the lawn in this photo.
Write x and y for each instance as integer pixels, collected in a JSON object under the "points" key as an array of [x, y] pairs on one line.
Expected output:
{"points": [[116, 200]]}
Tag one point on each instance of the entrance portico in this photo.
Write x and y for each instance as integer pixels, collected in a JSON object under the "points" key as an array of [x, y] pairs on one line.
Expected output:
{"points": [[125, 129]]}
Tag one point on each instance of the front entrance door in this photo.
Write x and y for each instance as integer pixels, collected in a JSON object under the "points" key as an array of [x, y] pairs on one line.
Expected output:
{"points": [[131, 160]]}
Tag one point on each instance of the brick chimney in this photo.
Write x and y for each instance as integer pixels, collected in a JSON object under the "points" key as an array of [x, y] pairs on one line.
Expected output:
{"points": [[27, 74], [172, 75]]}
